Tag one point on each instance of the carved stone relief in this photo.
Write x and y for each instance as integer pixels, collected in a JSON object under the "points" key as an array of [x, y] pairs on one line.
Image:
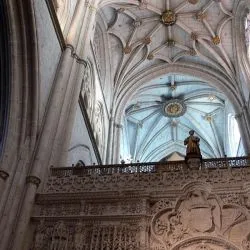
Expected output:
{"points": [[85, 236], [88, 92], [155, 211], [198, 213], [150, 181], [99, 127]]}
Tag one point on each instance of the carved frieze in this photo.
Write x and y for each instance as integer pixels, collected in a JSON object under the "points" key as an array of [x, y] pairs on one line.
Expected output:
{"points": [[154, 210], [145, 181], [85, 236]]}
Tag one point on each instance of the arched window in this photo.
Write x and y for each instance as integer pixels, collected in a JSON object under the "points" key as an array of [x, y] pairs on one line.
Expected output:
{"points": [[234, 135]]}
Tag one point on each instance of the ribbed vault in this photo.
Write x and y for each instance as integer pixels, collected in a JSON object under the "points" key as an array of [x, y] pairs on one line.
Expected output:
{"points": [[160, 52]]}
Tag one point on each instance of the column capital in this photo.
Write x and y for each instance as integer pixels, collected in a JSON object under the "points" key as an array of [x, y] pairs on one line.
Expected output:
{"points": [[33, 179], [3, 174]]}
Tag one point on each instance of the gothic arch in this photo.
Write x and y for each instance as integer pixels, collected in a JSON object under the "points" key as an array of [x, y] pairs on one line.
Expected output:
{"points": [[243, 70], [22, 120], [205, 243], [207, 75], [22, 78]]}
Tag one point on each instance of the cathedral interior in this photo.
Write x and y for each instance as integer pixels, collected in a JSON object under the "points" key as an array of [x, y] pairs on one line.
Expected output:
{"points": [[125, 125]]}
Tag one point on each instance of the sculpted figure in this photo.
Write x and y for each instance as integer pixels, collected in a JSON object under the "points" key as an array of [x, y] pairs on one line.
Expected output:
{"points": [[192, 143]]}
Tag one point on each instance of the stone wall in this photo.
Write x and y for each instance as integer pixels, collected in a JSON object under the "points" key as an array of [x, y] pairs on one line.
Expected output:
{"points": [[168, 208]]}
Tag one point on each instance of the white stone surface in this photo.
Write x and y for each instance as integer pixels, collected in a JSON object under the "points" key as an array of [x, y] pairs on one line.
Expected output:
{"points": [[49, 52], [80, 146]]}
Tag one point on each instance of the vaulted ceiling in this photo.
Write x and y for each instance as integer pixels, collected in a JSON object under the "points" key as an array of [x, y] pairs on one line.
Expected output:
{"points": [[172, 68]]}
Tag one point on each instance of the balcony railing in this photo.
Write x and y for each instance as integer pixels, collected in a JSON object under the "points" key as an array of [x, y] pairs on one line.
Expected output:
{"points": [[151, 167]]}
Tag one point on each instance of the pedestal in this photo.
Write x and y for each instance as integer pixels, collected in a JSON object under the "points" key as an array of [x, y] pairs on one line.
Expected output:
{"points": [[194, 161]]}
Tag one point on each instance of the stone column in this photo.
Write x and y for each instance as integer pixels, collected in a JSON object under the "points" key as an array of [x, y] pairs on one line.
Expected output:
{"points": [[242, 123], [71, 102], [62, 88]]}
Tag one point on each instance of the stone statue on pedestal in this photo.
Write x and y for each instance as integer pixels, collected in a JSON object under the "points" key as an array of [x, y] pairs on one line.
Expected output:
{"points": [[193, 154]]}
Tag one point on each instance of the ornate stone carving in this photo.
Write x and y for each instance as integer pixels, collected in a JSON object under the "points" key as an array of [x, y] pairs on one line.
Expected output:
{"points": [[80, 236], [87, 91], [201, 15], [60, 209], [246, 243], [99, 126], [168, 17], [33, 179], [40, 236], [150, 181], [196, 213], [161, 204], [216, 40]]}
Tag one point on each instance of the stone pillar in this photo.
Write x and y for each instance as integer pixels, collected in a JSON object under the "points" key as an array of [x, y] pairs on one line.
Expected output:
{"points": [[61, 94], [72, 98], [43, 149], [60, 106], [242, 123]]}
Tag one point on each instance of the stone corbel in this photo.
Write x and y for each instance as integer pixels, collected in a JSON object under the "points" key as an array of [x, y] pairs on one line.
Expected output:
{"points": [[3, 174], [74, 55], [33, 179]]}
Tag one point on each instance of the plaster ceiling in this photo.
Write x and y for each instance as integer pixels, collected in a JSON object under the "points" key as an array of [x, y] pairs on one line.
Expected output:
{"points": [[140, 37]]}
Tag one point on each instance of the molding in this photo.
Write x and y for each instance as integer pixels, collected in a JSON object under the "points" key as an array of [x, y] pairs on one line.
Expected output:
{"points": [[92, 218], [74, 55], [56, 24], [90, 130]]}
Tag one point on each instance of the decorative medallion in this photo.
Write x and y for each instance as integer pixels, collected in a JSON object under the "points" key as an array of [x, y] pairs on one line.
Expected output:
{"points": [[168, 17], [201, 15], [194, 36], [216, 40], [209, 118], [150, 56], [174, 108], [147, 40], [192, 52], [127, 50], [137, 23]]}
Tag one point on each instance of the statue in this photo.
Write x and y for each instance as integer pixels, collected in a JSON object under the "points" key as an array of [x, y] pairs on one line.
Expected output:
{"points": [[193, 148]]}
